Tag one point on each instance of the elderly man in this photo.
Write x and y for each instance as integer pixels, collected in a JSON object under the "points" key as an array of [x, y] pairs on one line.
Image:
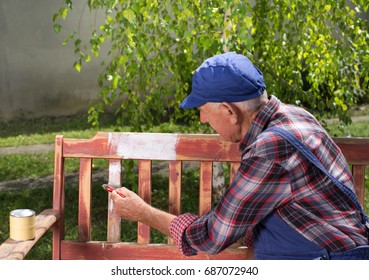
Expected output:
{"points": [[280, 202]]}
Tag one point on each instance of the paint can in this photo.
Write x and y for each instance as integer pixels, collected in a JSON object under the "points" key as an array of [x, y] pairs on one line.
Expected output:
{"points": [[22, 224]]}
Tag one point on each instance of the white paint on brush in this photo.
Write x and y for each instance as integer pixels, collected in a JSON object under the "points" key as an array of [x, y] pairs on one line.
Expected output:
{"points": [[144, 145]]}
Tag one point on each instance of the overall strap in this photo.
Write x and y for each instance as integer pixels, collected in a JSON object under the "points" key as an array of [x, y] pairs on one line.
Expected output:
{"points": [[314, 160]]}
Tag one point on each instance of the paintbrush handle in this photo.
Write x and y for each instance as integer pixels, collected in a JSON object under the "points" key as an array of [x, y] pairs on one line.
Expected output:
{"points": [[110, 189]]}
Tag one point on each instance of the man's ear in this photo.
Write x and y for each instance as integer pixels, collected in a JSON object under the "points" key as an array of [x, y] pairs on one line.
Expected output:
{"points": [[231, 111]]}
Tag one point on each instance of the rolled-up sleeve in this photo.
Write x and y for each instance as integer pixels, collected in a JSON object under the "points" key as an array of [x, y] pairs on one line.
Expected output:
{"points": [[177, 230]]}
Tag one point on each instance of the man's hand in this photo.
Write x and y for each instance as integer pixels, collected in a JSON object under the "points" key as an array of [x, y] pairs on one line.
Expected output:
{"points": [[133, 208]]}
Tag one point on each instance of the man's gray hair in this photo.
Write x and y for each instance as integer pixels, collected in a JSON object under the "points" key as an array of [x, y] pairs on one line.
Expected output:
{"points": [[253, 104]]}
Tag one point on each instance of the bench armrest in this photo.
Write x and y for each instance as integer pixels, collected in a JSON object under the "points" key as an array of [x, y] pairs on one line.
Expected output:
{"points": [[17, 250]]}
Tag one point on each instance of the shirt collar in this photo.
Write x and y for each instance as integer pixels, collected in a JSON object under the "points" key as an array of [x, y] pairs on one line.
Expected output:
{"points": [[260, 122]]}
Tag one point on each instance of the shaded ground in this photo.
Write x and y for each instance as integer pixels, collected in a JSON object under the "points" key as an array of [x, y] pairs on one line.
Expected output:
{"points": [[72, 178], [44, 182], [30, 149]]}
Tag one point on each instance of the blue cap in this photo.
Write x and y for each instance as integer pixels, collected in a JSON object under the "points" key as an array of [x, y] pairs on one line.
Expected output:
{"points": [[227, 77]]}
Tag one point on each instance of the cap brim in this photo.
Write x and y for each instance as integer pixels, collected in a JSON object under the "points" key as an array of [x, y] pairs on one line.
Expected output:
{"points": [[190, 102]]}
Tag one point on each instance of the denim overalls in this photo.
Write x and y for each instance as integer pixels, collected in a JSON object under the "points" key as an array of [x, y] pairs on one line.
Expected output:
{"points": [[275, 240]]}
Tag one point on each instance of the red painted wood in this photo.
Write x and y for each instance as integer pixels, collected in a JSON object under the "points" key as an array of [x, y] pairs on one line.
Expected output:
{"points": [[233, 170], [199, 146], [189, 147], [358, 171], [132, 251], [355, 150], [206, 177], [58, 196], [175, 189], [207, 147], [84, 200], [144, 191]]}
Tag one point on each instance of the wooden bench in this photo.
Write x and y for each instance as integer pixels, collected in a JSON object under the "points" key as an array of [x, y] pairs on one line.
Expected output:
{"points": [[145, 148]]}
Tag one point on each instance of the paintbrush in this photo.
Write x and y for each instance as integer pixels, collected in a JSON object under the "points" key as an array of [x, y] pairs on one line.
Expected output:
{"points": [[110, 189]]}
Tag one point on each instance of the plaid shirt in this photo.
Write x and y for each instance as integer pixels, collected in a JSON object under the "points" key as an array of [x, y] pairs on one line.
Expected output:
{"points": [[275, 177]]}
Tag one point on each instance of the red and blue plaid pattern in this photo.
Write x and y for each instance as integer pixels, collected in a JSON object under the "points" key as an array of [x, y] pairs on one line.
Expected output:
{"points": [[275, 177]]}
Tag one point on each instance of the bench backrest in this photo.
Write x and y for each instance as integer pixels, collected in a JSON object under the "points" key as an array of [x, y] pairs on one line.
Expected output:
{"points": [[146, 148]]}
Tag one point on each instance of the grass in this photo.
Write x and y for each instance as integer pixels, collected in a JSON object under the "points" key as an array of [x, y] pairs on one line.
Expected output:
{"points": [[42, 131], [20, 132], [356, 129]]}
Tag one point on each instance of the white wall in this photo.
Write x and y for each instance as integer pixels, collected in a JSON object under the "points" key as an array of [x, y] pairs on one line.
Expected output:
{"points": [[37, 77]]}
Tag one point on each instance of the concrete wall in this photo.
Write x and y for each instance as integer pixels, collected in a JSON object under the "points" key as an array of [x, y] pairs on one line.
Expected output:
{"points": [[37, 77]]}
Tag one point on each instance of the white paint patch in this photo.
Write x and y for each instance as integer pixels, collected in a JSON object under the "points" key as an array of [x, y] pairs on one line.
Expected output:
{"points": [[159, 146], [115, 168], [111, 205]]}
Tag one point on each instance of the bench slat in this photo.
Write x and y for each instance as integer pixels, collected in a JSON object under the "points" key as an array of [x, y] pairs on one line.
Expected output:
{"points": [[84, 200], [206, 177], [233, 171], [358, 171], [355, 149], [144, 191], [58, 196], [175, 189], [114, 221], [152, 146], [184, 147], [95, 250]]}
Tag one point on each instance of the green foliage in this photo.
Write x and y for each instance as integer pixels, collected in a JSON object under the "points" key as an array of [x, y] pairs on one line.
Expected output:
{"points": [[312, 53]]}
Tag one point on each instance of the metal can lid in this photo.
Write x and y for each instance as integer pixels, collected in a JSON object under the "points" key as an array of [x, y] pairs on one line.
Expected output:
{"points": [[20, 213]]}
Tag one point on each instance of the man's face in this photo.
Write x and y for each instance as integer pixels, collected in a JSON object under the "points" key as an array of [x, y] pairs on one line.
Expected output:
{"points": [[221, 118]]}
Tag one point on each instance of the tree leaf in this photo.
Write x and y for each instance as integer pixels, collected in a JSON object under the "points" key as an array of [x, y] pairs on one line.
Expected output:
{"points": [[63, 12], [57, 27], [77, 66], [129, 15]]}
